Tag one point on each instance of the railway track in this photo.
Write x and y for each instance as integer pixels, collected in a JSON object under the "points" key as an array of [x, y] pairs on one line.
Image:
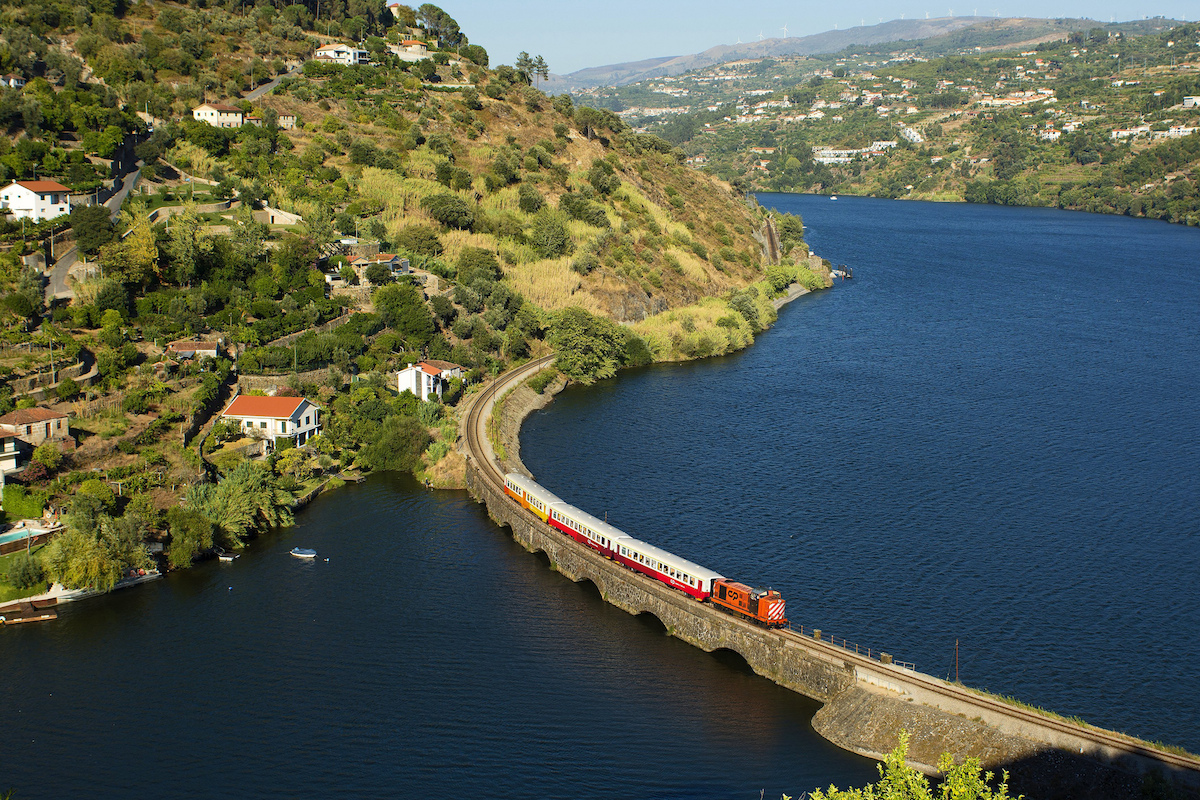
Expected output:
{"points": [[477, 444], [481, 453], [938, 687]]}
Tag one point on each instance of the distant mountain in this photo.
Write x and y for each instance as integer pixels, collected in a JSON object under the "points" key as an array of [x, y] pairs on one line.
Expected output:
{"points": [[932, 36]]}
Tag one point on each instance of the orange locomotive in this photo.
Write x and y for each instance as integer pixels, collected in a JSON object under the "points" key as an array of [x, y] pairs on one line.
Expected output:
{"points": [[764, 606]]}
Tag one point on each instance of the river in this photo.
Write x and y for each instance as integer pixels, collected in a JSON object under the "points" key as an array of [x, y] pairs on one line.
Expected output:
{"points": [[989, 435]]}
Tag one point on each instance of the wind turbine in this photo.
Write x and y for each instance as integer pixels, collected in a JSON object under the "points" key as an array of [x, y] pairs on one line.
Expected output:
{"points": [[784, 29], [996, 12], [760, 36], [926, 15], [739, 41]]}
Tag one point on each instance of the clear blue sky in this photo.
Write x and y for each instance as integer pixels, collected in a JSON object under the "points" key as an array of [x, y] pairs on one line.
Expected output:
{"points": [[573, 35]]}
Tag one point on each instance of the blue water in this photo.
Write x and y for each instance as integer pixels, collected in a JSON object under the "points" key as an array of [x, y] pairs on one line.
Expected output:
{"points": [[990, 435], [430, 656]]}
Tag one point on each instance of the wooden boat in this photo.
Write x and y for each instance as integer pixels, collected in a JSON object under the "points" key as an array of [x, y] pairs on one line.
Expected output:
{"points": [[303, 552]]}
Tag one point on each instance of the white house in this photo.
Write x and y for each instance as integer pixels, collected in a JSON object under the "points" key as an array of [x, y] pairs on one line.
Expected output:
{"points": [[410, 50], [274, 418], [187, 348], [342, 54], [1191, 102], [219, 115], [287, 121], [36, 200], [427, 377], [12, 453], [12, 81]]}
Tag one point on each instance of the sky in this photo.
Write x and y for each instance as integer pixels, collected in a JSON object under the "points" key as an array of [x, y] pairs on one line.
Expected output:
{"points": [[574, 35]]}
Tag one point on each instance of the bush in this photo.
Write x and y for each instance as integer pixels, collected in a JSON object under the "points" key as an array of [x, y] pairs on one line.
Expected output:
{"points": [[398, 446], [576, 206], [48, 455], [94, 487], [68, 389], [540, 381], [450, 210], [549, 235], [419, 240], [25, 571], [529, 199]]}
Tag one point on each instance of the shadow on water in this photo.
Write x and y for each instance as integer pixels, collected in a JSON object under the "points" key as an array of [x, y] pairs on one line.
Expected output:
{"points": [[732, 659], [650, 622]]}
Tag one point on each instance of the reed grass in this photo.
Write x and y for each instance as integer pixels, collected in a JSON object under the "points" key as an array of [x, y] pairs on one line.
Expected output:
{"points": [[693, 332]]}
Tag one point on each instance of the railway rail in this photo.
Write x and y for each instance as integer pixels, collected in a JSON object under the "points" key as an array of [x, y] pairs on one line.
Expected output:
{"points": [[481, 452]]}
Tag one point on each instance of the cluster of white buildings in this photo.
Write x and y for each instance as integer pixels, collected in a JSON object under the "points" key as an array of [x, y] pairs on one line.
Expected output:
{"points": [[829, 155]]}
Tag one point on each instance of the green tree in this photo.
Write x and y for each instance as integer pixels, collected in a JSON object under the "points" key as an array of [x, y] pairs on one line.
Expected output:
{"points": [[93, 228], [379, 274], [899, 781], [402, 309], [589, 347], [549, 235], [96, 550], [48, 455], [26, 572], [398, 445], [439, 24], [249, 498], [450, 210], [191, 535]]}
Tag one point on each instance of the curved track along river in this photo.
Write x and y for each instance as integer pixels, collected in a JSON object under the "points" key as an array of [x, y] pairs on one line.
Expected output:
{"points": [[867, 701]]}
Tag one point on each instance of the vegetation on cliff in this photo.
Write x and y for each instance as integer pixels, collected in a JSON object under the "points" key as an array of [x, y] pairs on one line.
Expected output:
{"points": [[529, 225]]}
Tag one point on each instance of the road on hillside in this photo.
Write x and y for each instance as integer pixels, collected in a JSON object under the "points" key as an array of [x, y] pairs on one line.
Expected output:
{"points": [[57, 287], [266, 87]]}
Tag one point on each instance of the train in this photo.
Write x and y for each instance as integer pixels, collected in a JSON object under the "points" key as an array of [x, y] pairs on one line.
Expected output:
{"points": [[762, 606]]}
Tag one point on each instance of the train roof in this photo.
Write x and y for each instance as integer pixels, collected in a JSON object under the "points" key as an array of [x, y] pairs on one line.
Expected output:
{"points": [[533, 487], [672, 560], [596, 524], [618, 536]]}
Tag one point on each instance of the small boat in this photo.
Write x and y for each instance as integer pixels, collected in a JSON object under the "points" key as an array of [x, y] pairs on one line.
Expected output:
{"points": [[228, 557], [303, 552], [833, 197]]}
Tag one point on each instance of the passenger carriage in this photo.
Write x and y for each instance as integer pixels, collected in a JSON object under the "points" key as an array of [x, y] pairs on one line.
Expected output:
{"points": [[684, 575], [530, 495], [586, 529]]}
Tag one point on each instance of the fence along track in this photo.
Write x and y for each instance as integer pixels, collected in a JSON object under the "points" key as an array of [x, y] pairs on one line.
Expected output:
{"points": [[491, 472]]}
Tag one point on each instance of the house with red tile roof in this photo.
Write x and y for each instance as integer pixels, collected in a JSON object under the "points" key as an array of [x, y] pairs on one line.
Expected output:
{"points": [[429, 377], [274, 418], [36, 200]]}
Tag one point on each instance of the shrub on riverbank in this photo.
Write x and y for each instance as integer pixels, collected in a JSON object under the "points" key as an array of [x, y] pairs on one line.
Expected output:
{"points": [[709, 328]]}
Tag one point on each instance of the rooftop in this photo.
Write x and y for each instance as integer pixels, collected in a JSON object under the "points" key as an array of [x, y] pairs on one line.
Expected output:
{"points": [[28, 416], [43, 186], [273, 407]]}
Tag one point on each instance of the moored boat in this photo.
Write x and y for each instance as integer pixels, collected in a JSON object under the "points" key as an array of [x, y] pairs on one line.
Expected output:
{"points": [[303, 552]]}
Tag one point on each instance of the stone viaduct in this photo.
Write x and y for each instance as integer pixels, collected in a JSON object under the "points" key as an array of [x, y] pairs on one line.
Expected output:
{"points": [[866, 702]]}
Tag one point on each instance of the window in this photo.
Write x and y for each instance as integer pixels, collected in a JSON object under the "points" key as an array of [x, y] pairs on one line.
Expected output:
{"points": [[262, 424], [283, 426], [306, 419]]}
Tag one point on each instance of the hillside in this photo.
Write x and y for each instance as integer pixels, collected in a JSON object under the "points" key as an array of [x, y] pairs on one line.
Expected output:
{"points": [[1096, 119], [356, 219], [924, 37]]}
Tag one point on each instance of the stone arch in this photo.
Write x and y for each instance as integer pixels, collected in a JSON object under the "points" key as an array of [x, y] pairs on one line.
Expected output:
{"points": [[732, 659], [651, 621], [588, 585]]}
